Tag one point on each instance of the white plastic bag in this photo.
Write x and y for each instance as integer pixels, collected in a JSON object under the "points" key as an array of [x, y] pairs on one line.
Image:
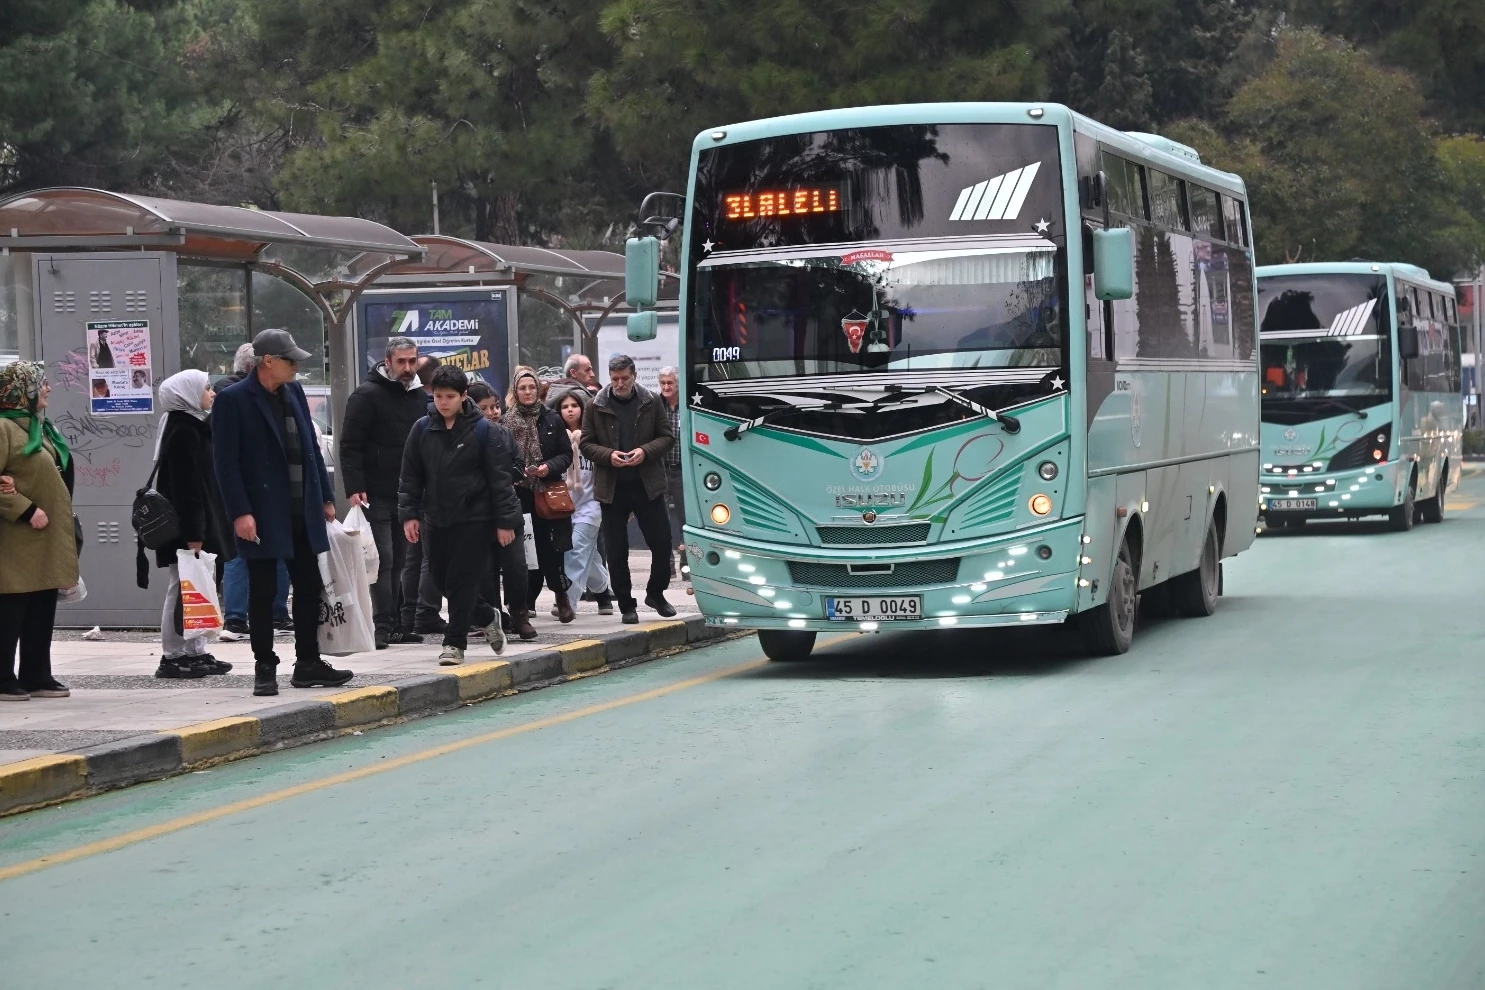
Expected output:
{"points": [[528, 539], [201, 610], [72, 595], [356, 522], [345, 625]]}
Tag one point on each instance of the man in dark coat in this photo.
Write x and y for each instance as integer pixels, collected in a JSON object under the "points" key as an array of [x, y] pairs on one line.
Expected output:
{"points": [[277, 493], [626, 433], [378, 417]]}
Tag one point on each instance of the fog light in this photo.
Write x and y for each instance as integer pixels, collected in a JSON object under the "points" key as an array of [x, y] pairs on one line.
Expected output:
{"points": [[1041, 504], [721, 515], [1044, 552], [1047, 470], [713, 559], [712, 481]]}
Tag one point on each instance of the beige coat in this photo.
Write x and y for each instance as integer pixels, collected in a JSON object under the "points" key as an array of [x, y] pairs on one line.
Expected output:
{"points": [[34, 559]]}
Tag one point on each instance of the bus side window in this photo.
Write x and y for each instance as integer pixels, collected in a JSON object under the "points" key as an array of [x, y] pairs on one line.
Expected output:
{"points": [[1206, 220], [1232, 220], [1167, 201], [1126, 191]]}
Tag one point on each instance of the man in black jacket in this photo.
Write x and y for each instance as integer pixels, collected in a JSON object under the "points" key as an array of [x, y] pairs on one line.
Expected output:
{"points": [[379, 415], [462, 481]]}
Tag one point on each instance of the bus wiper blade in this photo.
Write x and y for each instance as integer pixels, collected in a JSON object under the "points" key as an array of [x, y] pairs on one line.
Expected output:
{"points": [[1342, 406], [1007, 422], [736, 432]]}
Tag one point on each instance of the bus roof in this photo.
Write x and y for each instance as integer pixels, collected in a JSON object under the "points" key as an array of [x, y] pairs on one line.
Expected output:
{"points": [[1151, 148], [1395, 268]]}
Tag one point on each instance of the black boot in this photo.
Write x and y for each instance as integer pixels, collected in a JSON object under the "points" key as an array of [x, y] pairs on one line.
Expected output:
{"points": [[265, 678], [318, 673]]}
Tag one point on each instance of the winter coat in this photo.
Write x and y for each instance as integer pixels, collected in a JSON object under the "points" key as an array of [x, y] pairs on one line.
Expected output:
{"points": [[252, 468], [35, 559], [601, 439], [188, 481], [460, 475], [378, 417]]}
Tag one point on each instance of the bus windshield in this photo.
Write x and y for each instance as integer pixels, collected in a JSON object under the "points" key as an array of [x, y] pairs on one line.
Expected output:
{"points": [[767, 315], [1326, 345]]}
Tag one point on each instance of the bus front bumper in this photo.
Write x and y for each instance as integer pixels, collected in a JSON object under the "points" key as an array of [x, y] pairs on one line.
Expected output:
{"points": [[1335, 494], [1024, 578]]}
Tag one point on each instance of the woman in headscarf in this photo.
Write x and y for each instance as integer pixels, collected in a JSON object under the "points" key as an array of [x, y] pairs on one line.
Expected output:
{"points": [[38, 542], [188, 481], [542, 442]]}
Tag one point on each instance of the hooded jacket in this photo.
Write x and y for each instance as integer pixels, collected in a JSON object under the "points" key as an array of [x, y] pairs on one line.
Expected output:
{"points": [[460, 475], [378, 417], [601, 439]]}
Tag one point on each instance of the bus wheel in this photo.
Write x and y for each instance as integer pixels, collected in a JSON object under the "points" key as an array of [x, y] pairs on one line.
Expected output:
{"points": [[1109, 629], [1400, 517], [783, 646], [1194, 594], [1431, 510]]}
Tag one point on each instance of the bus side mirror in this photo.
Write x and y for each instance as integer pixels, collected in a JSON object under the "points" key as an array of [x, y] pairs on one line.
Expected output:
{"points": [[642, 326], [1113, 264], [1407, 342], [641, 271]]}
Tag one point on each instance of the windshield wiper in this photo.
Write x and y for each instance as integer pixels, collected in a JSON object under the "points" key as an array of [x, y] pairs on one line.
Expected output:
{"points": [[895, 395], [1337, 405], [1007, 422], [735, 432]]}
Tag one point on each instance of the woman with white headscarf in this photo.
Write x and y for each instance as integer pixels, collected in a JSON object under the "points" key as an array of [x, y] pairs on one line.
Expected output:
{"points": [[187, 479]]}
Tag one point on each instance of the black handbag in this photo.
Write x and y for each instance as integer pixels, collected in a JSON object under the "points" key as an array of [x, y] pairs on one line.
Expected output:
{"points": [[154, 520]]}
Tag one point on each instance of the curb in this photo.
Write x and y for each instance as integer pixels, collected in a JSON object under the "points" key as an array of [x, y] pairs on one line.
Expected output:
{"points": [[67, 776]]}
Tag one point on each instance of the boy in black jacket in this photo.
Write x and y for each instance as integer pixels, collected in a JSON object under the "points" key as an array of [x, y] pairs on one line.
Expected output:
{"points": [[458, 476]]}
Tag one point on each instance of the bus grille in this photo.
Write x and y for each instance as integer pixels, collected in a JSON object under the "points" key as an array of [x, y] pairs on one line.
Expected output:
{"points": [[872, 536], [994, 503], [759, 509], [908, 574]]}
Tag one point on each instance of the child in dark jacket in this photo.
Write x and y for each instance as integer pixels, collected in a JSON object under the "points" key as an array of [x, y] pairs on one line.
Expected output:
{"points": [[508, 563], [460, 477]]}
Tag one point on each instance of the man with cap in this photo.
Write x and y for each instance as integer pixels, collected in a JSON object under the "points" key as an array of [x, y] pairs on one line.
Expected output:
{"points": [[277, 492]]}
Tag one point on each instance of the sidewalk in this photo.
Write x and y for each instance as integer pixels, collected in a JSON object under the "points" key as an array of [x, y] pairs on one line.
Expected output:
{"points": [[115, 695]]}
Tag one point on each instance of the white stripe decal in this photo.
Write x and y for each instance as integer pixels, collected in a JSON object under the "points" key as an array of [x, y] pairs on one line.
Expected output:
{"points": [[1349, 323], [977, 192], [992, 193], [1028, 175], [1007, 188], [958, 213]]}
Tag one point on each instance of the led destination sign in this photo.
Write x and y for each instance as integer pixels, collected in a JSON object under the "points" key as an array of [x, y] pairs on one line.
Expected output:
{"points": [[795, 201]]}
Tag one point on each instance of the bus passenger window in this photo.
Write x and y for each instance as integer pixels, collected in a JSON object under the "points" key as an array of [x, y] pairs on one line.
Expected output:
{"points": [[1232, 219], [1126, 187], [1167, 202], [1206, 220]]}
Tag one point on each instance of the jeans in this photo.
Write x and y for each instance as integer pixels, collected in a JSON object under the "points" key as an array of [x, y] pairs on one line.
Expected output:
{"points": [[235, 591], [585, 569], [391, 548], [457, 556], [174, 643], [304, 575], [420, 598], [630, 499], [27, 620]]}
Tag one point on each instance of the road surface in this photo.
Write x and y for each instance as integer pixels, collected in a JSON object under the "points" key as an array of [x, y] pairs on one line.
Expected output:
{"points": [[1290, 794]]}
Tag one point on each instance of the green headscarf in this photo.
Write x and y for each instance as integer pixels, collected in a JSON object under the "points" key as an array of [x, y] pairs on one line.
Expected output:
{"points": [[20, 383]]}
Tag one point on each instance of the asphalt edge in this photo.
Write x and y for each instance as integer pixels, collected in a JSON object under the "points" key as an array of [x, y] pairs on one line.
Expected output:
{"points": [[60, 777]]}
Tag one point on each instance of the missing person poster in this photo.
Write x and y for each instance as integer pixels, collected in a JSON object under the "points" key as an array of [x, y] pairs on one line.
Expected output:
{"points": [[120, 373], [467, 330]]}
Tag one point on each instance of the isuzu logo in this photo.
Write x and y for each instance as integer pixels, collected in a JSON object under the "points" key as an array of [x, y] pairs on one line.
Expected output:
{"points": [[873, 500]]}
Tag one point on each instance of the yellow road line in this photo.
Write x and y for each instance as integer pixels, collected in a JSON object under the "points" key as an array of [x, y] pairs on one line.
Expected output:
{"points": [[237, 807]]}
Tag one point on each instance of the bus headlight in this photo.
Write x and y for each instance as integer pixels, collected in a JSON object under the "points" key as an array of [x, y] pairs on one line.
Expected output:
{"points": [[712, 481], [1041, 504], [721, 515], [1047, 470]]}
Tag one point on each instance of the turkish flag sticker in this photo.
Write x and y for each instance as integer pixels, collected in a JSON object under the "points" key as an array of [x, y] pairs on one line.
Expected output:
{"points": [[703, 439]]}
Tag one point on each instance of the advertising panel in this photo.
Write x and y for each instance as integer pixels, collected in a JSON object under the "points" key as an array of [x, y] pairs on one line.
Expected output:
{"points": [[467, 329]]}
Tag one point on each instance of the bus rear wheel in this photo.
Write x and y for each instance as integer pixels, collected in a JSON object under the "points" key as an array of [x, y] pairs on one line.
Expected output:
{"points": [[1431, 510], [1109, 629], [786, 646], [1194, 594], [1401, 517]]}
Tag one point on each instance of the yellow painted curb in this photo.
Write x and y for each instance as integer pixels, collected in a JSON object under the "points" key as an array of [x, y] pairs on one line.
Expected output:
{"points": [[583, 656], [363, 705], [483, 680], [41, 780], [664, 635], [213, 740]]}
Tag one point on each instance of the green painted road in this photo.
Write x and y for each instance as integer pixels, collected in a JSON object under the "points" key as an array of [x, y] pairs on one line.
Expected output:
{"points": [[1288, 794]]}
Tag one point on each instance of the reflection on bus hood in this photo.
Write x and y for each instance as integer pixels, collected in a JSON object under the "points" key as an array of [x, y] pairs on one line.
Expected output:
{"points": [[1314, 444]]}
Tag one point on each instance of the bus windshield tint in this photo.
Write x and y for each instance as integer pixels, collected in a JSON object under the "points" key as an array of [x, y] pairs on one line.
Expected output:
{"points": [[871, 310], [1321, 376], [1344, 305]]}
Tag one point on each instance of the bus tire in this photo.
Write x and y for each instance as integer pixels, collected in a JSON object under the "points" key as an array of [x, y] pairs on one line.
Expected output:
{"points": [[1401, 517], [1194, 594], [786, 645], [1109, 629], [1431, 510]]}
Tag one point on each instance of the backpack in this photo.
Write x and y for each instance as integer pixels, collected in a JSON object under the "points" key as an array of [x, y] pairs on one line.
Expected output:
{"points": [[155, 523]]}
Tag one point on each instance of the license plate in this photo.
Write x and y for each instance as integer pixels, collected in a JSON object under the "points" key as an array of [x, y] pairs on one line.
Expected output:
{"points": [[874, 608], [1285, 504]]}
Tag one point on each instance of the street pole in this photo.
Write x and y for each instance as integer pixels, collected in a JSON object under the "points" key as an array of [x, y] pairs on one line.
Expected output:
{"points": [[434, 184]]}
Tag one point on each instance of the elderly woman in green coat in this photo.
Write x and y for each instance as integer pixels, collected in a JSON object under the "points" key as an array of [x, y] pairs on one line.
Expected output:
{"points": [[38, 544]]}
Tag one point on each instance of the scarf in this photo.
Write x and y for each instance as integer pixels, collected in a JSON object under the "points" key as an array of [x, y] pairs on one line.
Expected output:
{"points": [[522, 424], [181, 392], [40, 426]]}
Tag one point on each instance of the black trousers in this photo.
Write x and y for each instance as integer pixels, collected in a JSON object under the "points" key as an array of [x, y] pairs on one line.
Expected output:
{"points": [[508, 568], [420, 600], [457, 557], [304, 578], [27, 620], [391, 548], [654, 525], [553, 539]]}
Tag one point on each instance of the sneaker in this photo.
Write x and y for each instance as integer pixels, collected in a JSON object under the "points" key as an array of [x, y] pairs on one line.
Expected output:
{"points": [[605, 603], [380, 639], [234, 631], [178, 668], [630, 618], [451, 656], [14, 692], [404, 637], [659, 604], [431, 627], [522, 627], [318, 674], [284, 626], [495, 636], [209, 663], [51, 689]]}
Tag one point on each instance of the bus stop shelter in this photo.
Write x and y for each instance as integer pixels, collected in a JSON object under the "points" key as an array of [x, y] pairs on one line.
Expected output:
{"points": [[115, 292]]}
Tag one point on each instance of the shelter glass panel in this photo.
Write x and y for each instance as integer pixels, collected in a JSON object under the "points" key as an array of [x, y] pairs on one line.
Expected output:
{"points": [[546, 335], [213, 317]]}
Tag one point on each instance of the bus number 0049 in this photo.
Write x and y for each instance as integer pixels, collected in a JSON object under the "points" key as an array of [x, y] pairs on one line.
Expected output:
{"points": [[726, 353], [875, 609]]}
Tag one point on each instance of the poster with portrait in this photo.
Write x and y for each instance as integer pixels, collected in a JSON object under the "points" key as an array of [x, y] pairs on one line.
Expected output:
{"points": [[120, 373]]}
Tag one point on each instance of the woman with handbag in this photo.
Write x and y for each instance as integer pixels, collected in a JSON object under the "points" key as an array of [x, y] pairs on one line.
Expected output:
{"points": [[542, 442], [584, 567], [186, 479], [38, 537]]}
